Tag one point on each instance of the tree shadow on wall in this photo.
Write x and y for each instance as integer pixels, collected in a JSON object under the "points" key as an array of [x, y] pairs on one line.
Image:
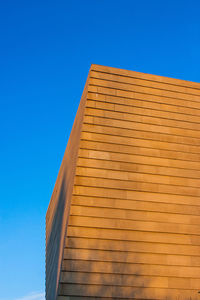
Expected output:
{"points": [[112, 276]]}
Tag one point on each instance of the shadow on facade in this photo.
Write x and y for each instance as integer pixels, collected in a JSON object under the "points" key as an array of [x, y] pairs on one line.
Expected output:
{"points": [[96, 278]]}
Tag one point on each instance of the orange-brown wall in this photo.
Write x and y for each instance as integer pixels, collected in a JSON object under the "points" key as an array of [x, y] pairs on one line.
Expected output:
{"points": [[134, 213], [58, 210]]}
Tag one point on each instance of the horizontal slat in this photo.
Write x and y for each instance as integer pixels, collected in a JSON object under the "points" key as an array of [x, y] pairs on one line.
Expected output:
{"points": [[131, 246], [129, 280], [143, 134], [132, 121], [130, 113], [116, 279], [148, 77], [148, 226], [133, 214], [134, 235], [146, 151], [128, 268], [136, 167], [136, 186], [167, 103], [136, 204], [173, 109], [134, 80], [130, 257], [116, 292], [177, 113], [162, 96], [136, 177], [139, 159], [99, 117], [134, 195], [146, 108], [138, 142]]}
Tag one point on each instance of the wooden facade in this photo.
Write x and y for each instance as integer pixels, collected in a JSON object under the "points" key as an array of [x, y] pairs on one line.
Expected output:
{"points": [[124, 218]]}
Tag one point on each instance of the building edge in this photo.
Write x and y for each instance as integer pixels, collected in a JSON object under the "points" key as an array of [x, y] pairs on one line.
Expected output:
{"points": [[59, 206]]}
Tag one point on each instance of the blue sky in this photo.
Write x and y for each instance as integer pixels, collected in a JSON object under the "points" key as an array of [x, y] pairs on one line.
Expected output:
{"points": [[46, 49]]}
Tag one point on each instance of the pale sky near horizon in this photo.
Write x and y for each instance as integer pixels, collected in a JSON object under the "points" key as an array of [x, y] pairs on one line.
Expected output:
{"points": [[46, 49]]}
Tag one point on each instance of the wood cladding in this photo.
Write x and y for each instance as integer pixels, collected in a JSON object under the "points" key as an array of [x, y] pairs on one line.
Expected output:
{"points": [[124, 217]]}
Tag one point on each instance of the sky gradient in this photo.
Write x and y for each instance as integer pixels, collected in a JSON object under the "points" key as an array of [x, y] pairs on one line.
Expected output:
{"points": [[46, 49]]}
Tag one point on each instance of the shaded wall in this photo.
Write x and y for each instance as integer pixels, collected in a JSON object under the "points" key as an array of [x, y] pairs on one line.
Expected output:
{"points": [[58, 210]]}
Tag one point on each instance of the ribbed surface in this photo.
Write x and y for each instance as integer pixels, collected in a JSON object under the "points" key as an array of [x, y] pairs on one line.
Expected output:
{"points": [[134, 225], [59, 207]]}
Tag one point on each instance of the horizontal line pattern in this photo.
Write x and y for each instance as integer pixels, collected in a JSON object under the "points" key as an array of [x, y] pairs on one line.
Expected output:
{"points": [[138, 133], [114, 122], [148, 108], [158, 94], [59, 207], [135, 176], [132, 214], [152, 79], [116, 111], [131, 246], [133, 230], [117, 292], [120, 83], [184, 106]]}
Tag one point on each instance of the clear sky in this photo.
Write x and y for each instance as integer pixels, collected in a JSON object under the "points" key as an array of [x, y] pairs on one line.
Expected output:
{"points": [[46, 49]]}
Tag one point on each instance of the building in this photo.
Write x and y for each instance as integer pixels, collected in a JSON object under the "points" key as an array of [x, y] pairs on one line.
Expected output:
{"points": [[124, 218]]}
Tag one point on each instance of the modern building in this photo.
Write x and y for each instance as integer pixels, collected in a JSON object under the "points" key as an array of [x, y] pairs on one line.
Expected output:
{"points": [[124, 218]]}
